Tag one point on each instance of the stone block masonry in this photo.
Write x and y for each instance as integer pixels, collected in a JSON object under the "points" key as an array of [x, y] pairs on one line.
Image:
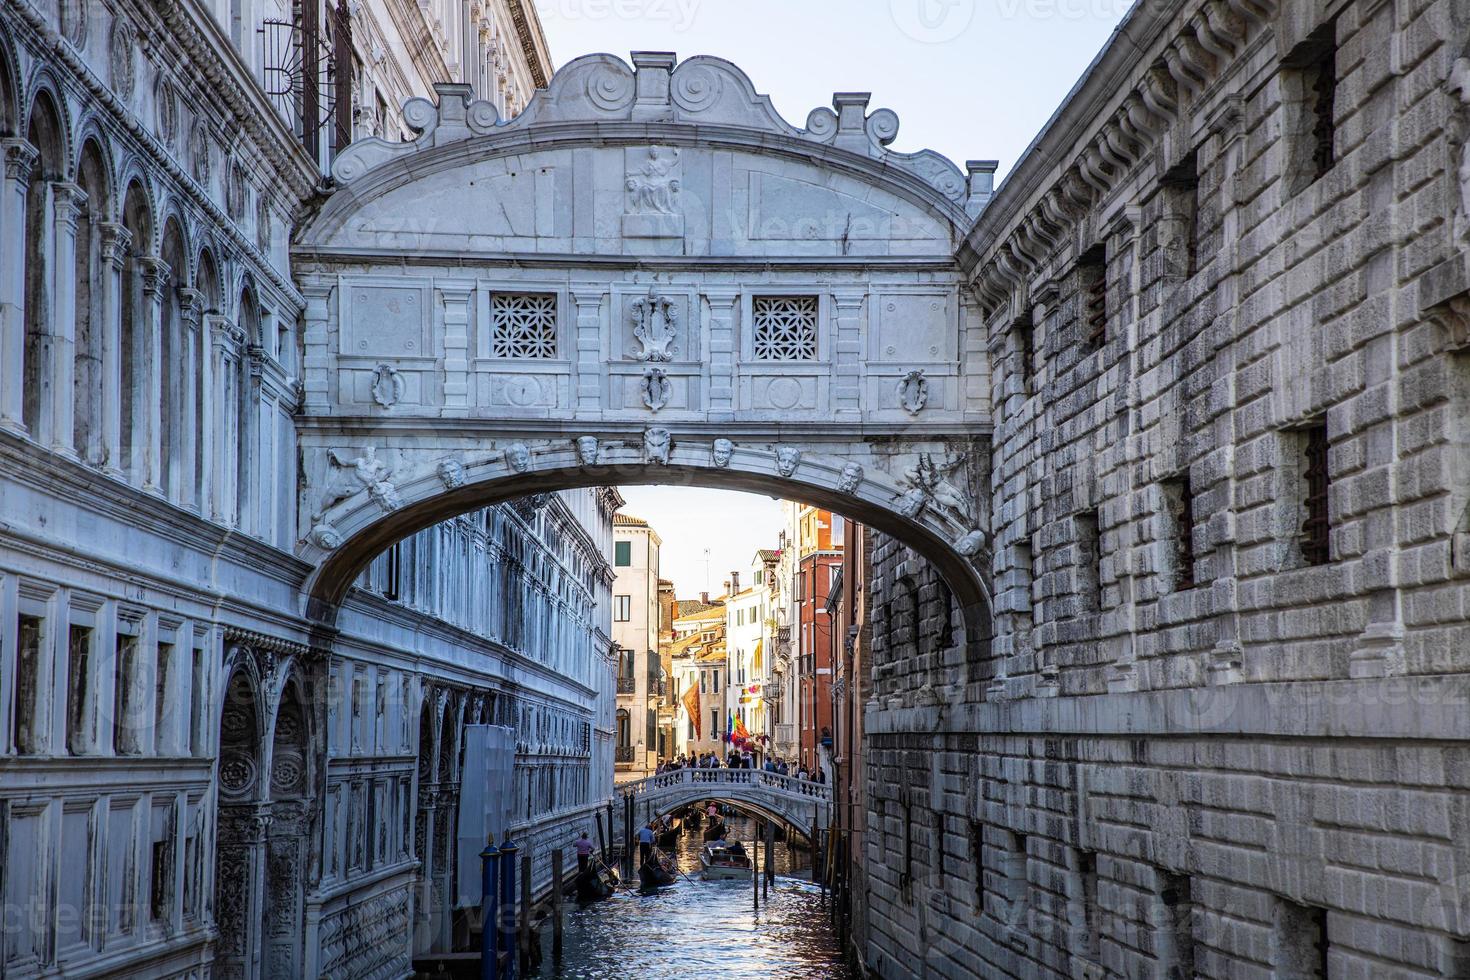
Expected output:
{"points": [[1220, 730]]}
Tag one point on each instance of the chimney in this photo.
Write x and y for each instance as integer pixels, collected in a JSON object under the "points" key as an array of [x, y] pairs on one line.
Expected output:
{"points": [[704, 598], [728, 593], [735, 581]]}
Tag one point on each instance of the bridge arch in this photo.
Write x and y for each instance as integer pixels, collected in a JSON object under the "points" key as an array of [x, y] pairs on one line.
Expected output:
{"points": [[648, 276], [803, 805]]}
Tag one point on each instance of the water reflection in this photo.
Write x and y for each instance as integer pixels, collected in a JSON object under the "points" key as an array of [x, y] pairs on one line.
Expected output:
{"points": [[700, 928]]}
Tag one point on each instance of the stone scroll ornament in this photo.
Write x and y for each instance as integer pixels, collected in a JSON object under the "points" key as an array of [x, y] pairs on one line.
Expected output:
{"points": [[655, 327], [388, 385], [913, 392], [656, 389]]}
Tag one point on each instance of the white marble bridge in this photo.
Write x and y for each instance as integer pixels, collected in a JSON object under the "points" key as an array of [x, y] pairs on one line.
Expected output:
{"points": [[804, 805]]}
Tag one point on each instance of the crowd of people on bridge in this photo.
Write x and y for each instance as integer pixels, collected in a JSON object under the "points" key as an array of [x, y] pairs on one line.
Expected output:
{"points": [[741, 760]]}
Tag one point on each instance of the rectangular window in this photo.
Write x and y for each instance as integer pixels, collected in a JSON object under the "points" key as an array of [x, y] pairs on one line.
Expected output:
{"points": [[523, 325], [196, 702], [1177, 946], [1024, 331], [1181, 233], [1316, 530], [391, 566], [30, 634], [125, 695], [1087, 879], [1179, 507], [717, 682], [1089, 560], [1017, 885], [161, 866], [78, 688], [1302, 947], [163, 699], [977, 862], [622, 553], [1092, 269], [1309, 97], [622, 608], [760, 578], [785, 328]]}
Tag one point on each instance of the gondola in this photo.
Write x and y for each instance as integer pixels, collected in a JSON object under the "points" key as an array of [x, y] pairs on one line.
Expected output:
{"points": [[715, 830], [669, 836], [654, 873], [693, 817], [595, 883]]}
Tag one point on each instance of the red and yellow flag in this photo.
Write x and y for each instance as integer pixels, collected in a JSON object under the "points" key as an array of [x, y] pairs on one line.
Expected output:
{"points": [[691, 705]]}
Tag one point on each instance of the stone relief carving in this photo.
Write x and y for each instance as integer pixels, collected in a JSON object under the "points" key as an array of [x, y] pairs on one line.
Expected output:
{"points": [[124, 41], [971, 544], [168, 112], [262, 221], [388, 385], [652, 187], [518, 457], [655, 388], [851, 478], [587, 449], [656, 445], [451, 474], [74, 22], [1458, 84], [913, 392], [199, 152], [788, 458], [655, 324], [352, 474], [326, 536], [926, 488], [722, 450]]}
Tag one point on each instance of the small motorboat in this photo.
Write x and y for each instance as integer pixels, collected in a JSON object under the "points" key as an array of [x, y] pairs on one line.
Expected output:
{"points": [[656, 872], [596, 883], [715, 830], [721, 863]]}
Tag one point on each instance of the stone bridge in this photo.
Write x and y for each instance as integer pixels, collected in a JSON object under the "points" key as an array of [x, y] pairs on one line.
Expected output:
{"points": [[648, 276], [804, 805]]}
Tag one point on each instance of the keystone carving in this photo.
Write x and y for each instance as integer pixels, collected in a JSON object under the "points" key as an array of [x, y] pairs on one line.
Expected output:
{"points": [[518, 457], [655, 326], [852, 476], [587, 450], [722, 451], [788, 458], [656, 445], [451, 474]]}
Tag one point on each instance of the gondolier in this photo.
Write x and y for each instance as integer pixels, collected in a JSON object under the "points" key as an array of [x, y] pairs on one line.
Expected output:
{"points": [[584, 853], [645, 843]]}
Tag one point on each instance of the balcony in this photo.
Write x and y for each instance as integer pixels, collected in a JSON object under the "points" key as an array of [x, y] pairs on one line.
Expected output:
{"points": [[786, 735], [625, 754], [627, 685]]}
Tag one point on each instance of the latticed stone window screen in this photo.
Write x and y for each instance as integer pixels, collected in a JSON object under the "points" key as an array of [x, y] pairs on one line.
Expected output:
{"points": [[523, 325], [785, 328]]}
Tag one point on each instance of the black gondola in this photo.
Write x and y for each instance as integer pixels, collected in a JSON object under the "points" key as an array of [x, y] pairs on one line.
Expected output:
{"points": [[715, 831], [596, 883], [654, 874], [669, 836]]}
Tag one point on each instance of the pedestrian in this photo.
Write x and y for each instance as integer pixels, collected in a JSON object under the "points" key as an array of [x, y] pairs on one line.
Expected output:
{"points": [[584, 853], [821, 775], [645, 844]]}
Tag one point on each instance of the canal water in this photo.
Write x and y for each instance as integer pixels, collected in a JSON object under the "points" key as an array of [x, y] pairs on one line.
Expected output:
{"points": [[704, 929]]}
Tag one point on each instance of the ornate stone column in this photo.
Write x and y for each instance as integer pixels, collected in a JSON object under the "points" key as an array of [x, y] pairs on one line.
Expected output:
{"points": [[116, 240], [248, 491], [223, 401], [20, 160], [191, 309], [66, 201], [155, 274]]}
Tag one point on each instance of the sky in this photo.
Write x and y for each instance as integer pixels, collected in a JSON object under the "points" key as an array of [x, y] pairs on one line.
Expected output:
{"points": [[731, 524], [972, 79]]}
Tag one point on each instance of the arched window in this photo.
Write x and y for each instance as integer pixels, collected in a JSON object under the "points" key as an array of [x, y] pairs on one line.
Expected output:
{"points": [[172, 367], [45, 134], [87, 377], [625, 729], [133, 333]]}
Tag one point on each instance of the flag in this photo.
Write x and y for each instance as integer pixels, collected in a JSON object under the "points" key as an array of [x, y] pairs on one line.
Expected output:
{"points": [[691, 705], [740, 731]]}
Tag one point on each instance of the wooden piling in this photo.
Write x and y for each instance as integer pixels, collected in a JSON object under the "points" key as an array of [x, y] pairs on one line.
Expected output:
{"points": [[526, 910], [558, 886], [770, 859], [755, 869]]}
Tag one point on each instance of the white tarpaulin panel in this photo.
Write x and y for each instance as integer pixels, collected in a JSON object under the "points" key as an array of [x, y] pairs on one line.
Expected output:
{"points": [[485, 800]]}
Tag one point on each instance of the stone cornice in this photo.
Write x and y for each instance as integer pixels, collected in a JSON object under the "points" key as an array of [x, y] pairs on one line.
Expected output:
{"points": [[533, 42], [1110, 122]]}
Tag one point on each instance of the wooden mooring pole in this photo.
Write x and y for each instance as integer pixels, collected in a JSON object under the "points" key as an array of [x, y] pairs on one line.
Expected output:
{"points": [[755, 869], [558, 885], [525, 942]]}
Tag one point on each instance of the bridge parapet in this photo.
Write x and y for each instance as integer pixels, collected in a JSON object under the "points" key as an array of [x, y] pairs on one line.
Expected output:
{"points": [[800, 802]]}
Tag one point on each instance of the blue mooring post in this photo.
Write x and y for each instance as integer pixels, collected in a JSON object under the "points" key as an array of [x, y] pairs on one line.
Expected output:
{"points": [[489, 911], [507, 911]]}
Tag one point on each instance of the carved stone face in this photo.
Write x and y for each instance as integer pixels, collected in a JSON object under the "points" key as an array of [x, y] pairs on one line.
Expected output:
{"points": [[852, 475], [519, 457], [723, 450], [451, 473], [656, 445], [587, 450], [787, 458]]}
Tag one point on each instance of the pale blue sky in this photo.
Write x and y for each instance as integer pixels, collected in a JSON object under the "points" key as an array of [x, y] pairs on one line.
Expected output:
{"points": [[973, 79]]}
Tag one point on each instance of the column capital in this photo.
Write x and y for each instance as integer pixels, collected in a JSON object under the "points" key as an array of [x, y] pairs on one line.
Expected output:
{"points": [[156, 275], [226, 335], [116, 240], [67, 199], [20, 159], [191, 305]]}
